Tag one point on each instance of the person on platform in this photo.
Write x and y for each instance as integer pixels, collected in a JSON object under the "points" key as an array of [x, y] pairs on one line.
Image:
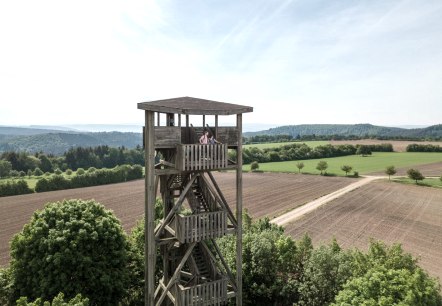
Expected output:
{"points": [[204, 139]]}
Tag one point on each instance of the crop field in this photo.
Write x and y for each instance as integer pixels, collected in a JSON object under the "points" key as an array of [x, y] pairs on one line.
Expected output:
{"points": [[391, 212], [264, 194], [398, 145], [312, 144], [375, 163]]}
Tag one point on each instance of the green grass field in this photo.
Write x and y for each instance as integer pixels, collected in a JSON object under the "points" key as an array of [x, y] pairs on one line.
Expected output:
{"points": [[312, 144], [429, 182], [376, 162]]}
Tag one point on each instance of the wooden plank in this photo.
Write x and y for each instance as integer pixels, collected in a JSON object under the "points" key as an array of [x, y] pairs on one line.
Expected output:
{"points": [[149, 210], [167, 136]]}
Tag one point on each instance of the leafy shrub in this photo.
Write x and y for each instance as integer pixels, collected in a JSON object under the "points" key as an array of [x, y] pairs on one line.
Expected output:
{"points": [[415, 175], [254, 166], [14, 188], [14, 173], [355, 173], [6, 292], [38, 172], [58, 171], [56, 182], [22, 174], [68, 171], [78, 300], [73, 246], [80, 171], [47, 173], [91, 169]]}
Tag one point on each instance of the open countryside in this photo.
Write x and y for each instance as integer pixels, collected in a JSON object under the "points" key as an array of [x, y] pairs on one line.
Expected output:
{"points": [[377, 162]]}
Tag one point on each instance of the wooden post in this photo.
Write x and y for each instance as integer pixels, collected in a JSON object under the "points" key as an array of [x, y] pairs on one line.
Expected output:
{"points": [[239, 212], [204, 121], [149, 210], [187, 120], [158, 118], [179, 120], [216, 126]]}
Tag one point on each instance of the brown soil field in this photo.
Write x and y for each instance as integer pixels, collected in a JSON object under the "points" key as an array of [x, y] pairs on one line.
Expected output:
{"points": [[434, 169], [398, 145], [410, 215], [264, 194]]}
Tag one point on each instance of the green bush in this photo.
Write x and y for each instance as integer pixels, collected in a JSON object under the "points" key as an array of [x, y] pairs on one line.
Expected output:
{"points": [[73, 246], [68, 171], [78, 300], [58, 171], [11, 188], [6, 291], [91, 169], [254, 166], [38, 172], [47, 173], [80, 171]]}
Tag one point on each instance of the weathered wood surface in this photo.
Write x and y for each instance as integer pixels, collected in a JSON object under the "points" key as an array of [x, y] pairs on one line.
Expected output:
{"points": [[211, 293], [194, 106], [201, 226], [167, 136], [197, 157]]}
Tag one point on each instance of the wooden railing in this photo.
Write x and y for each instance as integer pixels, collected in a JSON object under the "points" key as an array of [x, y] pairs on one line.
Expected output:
{"points": [[192, 157], [200, 226], [212, 293]]}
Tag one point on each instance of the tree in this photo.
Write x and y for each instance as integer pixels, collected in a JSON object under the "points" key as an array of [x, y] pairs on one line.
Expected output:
{"points": [[254, 166], [322, 166], [58, 171], [325, 273], [363, 150], [299, 165], [46, 164], [383, 286], [38, 172], [346, 169], [29, 173], [415, 175], [14, 173], [390, 170], [73, 246], [5, 168]]}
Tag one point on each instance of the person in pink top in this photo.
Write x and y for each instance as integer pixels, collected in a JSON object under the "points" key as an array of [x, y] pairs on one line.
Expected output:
{"points": [[204, 139]]}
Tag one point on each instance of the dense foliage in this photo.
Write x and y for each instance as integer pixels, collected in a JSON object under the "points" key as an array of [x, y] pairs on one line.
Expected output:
{"points": [[59, 300], [72, 247], [351, 131], [14, 187], [414, 147], [91, 178], [58, 143]]}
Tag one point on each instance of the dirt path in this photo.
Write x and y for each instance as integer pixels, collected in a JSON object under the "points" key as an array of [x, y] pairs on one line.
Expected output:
{"points": [[300, 211]]}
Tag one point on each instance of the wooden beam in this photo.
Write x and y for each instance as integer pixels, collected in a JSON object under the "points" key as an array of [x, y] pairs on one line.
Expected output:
{"points": [[179, 120], [158, 118], [178, 204], [149, 210], [175, 275], [216, 126], [187, 121], [204, 120], [239, 212]]}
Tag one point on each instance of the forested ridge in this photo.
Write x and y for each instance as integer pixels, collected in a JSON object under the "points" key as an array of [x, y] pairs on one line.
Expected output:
{"points": [[59, 143], [355, 130]]}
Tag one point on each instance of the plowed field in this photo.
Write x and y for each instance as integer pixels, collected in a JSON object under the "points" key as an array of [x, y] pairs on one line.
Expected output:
{"points": [[264, 194], [410, 215]]}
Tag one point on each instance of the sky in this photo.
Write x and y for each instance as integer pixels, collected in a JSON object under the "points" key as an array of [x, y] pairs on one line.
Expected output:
{"points": [[295, 62]]}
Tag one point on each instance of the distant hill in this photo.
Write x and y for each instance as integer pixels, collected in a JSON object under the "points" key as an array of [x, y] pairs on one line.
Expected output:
{"points": [[360, 130], [57, 143], [9, 131]]}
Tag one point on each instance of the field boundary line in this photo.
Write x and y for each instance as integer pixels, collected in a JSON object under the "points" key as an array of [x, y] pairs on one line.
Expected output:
{"points": [[310, 206]]}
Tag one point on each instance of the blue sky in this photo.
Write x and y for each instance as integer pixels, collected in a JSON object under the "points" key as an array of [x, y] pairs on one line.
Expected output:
{"points": [[295, 62]]}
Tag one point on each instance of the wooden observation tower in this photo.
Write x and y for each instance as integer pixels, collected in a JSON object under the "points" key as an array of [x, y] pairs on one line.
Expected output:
{"points": [[194, 271]]}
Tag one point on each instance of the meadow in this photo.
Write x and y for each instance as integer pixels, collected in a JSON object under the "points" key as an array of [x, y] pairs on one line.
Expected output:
{"points": [[364, 165]]}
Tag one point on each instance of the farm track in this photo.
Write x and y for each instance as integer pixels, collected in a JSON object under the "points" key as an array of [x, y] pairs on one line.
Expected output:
{"points": [[410, 215], [264, 194]]}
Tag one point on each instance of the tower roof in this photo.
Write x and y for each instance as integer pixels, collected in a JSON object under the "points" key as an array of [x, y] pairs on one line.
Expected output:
{"points": [[194, 106]]}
